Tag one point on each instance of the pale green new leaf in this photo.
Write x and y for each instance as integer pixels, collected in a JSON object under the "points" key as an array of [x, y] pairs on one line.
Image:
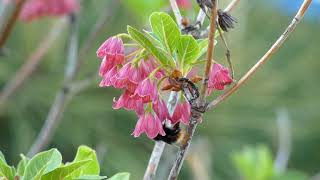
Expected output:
{"points": [[166, 29], [39, 175], [6, 171], [62, 172], [187, 50], [22, 165], [86, 153], [120, 176], [92, 168], [146, 43], [49, 159]]}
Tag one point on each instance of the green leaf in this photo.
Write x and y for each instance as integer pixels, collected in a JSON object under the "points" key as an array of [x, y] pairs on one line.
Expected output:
{"points": [[166, 29], [91, 177], [146, 43], [39, 174], [6, 171], [22, 165], [49, 159], [187, 50], [120, 176], [62, 172], [86, 153], [92, 168]]}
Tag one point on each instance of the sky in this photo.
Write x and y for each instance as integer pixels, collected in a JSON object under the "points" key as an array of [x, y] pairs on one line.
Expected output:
{"points": [[291, 7]]}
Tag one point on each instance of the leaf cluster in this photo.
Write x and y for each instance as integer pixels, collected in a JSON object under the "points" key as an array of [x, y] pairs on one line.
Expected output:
{"points": [[171, 49], [48, 165]]}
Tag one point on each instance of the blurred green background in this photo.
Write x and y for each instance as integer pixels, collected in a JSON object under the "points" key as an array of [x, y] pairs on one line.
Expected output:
{"points": [[290, 80]]}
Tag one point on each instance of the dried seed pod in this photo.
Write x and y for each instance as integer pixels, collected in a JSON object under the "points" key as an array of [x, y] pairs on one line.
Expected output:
{"points": [[225, 20]]}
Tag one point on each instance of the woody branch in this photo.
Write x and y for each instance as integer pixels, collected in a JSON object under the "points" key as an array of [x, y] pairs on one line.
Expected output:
{"points": [[196, 115], [159, 146], [194, 120]]}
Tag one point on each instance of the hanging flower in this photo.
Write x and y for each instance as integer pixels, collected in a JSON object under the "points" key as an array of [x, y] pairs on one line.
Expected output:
{"points": [[127, 102], [112, 48], [160, 108], [147, 91], [34, 9], [181, 113], [107, 76], [128, 77], [112, 54], [219, 77], [150, 124]]}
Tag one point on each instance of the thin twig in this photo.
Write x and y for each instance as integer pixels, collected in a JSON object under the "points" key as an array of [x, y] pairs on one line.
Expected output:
{"points": [[231, 5], [228, 53], [284, 150], [275, 47], [32, 62], [195, 115], [11, 22], [62, 97], [210, 53], [160, 145], [176, 12]]}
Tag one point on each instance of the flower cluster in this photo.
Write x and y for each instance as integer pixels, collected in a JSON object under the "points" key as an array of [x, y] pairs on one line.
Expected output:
{"points": [[34, 9], [139, 77]]}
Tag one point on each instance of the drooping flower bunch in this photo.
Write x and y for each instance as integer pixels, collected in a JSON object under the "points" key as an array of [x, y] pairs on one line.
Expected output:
{"points": [[143, 72], [34, 9]]}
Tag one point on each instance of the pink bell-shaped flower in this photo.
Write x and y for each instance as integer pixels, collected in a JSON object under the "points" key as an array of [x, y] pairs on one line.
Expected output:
{"points": [[105, 66], [219, 77], [129, 76], [181, 113], [127, 102], [150, 124], [160, 108], [108, 76], [147, 91], [113, 49], [112, 54]]}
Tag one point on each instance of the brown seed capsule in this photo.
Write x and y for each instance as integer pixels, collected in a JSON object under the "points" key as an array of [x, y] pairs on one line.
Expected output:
{"points": [[225, 20]]}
